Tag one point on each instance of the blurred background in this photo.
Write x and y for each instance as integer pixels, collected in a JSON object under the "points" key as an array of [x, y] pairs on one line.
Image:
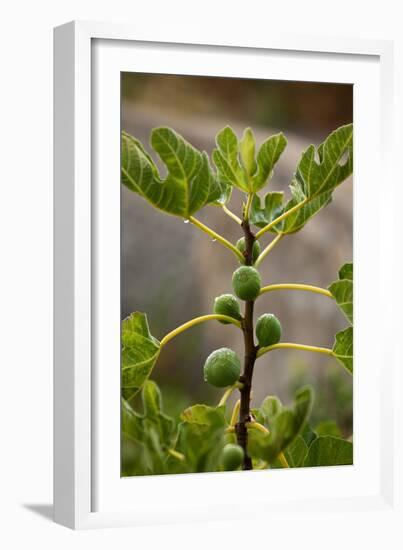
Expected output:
{"points": [[173, 272]]}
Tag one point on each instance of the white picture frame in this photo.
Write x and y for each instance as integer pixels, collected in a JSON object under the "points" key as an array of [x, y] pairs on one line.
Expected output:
{"points": [[88, 491]]}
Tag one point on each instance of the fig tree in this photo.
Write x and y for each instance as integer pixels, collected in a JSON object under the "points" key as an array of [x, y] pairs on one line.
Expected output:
{"points": [[227, 304], [232, 457], [246, 282], [222, 368], [255, 249], [268, 330]]}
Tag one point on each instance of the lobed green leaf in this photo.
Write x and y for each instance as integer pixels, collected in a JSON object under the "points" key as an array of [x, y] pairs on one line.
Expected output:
{"points": [[343, 348], [328, 427], [235, 160], [296, 452], [225, 157], [267, 157], [313, 183], [284, 425], [346, 271], [272, 208], [149, 436], [329, 451], [342, 291], [331, 170], [190, 183], [140, 352], [201, 437]]}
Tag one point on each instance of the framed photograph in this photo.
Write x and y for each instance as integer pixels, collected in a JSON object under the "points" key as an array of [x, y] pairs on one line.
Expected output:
{"points": [[211, 200]]}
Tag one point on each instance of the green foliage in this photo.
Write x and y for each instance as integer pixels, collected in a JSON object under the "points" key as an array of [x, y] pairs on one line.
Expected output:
{"points": [[235, 160], [272, 208], [346, 271], [190, 183], [246, 282], [329, 451], [228, 305], [201, 439], [284, 425], [222, 368], [328, 427], [342, 291], [255, 249], [150, 434], [343, 348], [139, 354], [268, 330], [296, 452], [312, 185]]}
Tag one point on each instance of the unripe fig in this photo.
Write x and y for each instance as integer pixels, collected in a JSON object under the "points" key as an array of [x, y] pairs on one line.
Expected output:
{"points": [[255, 249], [227, 304], [268, 330], [246, 283], [232, 457], [222, 368]]}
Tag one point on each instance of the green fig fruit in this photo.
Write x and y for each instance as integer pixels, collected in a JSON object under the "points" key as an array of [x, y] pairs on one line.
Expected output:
{"points": [[232, 457], [227, 304], [255, 249], [268, 330], [222, 368], [246, 283]]}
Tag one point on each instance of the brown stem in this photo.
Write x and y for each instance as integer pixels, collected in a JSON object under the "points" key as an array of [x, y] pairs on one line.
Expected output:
{"points": [[249, 359]]}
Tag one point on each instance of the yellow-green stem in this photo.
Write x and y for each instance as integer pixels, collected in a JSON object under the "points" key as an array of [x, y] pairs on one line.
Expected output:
{"points": [[235, 413], [197, 321], [296, 286], [247, 207], [176, 454], [268, 248], [231, 214], [281, 218], [289, 345], [228, 392], [217, 237]]}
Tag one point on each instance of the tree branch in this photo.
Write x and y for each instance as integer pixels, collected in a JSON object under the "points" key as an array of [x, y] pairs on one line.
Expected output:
{"points": [[249, 358]]}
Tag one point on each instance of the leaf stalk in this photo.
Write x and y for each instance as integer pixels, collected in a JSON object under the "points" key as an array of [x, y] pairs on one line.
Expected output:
{"points": [[281, 218], [216, 236], [197, 321], [289, 345], [268, 248], [295, 286], [231, 214]]}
